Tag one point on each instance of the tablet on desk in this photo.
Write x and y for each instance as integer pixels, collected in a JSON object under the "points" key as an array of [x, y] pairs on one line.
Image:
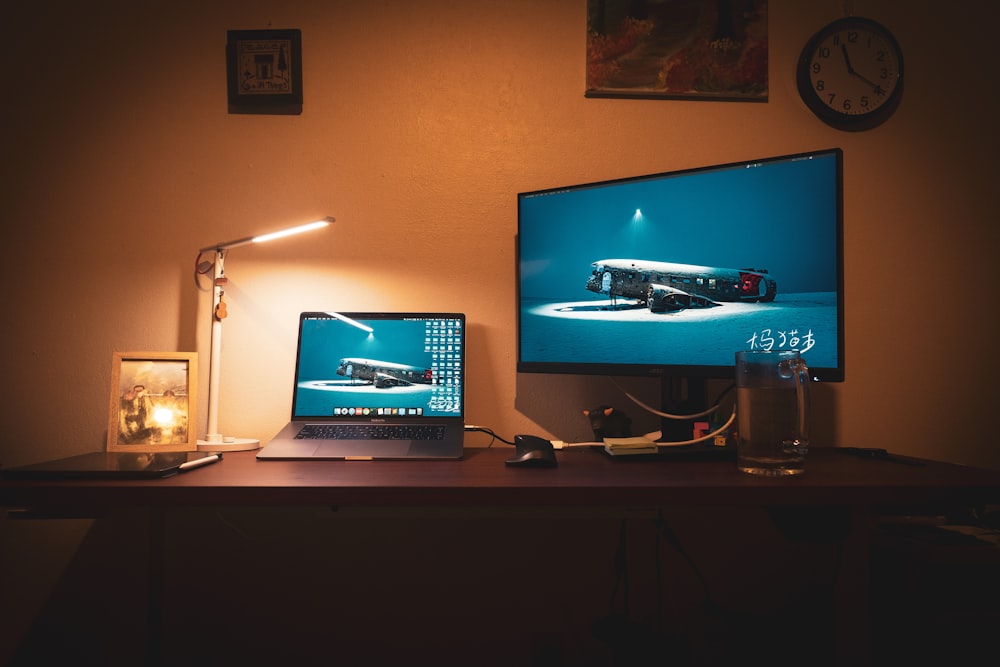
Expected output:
{"points": [[112, 465]]}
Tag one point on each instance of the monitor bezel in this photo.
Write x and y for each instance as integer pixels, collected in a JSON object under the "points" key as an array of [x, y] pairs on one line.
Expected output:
{"points": [[705, 372]]}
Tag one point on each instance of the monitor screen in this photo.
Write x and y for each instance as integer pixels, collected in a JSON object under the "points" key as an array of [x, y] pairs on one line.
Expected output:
{"points": [[671, 274]]}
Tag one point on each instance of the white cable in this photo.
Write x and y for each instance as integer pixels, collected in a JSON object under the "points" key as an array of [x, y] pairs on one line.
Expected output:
{"points": [[705, 437], [663, 414]]}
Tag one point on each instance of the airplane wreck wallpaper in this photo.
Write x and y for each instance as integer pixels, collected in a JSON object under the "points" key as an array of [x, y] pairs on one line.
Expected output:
{"points": [[684, 268]]}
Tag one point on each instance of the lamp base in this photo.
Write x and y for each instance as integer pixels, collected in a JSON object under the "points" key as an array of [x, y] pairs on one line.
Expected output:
{"points": [[228, 444]]}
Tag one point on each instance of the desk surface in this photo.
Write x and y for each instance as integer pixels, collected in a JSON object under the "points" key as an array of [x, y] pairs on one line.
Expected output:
{"points": [[584, 478]]}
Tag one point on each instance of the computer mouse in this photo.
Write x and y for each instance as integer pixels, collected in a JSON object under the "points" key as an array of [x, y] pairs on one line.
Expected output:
{"points": [[532, 452]]}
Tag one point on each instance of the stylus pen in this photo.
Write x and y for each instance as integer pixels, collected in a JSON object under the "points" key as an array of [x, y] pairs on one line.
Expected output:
{"points": [[876, 453], [197, 463]]}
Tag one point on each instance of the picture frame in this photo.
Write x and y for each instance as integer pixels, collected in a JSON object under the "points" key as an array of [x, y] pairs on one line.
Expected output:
{"points": [[264, 71], [154, 401], [705, 50]]}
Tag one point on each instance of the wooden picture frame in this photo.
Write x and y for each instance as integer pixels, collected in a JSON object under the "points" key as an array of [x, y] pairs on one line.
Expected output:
{"points": [[154, 400], [264, 71]]}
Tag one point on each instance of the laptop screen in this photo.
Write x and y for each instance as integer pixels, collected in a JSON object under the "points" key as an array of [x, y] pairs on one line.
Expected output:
{"points": [[394, 366]]}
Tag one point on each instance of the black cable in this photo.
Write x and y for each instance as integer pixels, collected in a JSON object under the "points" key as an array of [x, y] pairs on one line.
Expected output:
{"points": [[489, 432], [722, 394], [658, 569], [671, 537], [621, 569], [202, 269]]}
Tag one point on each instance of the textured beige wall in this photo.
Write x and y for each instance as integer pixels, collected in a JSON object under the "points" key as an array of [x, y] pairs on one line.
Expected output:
{"points": [[421, 122]]}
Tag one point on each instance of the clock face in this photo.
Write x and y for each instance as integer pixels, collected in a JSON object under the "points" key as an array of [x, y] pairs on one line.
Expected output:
{"points": [[850, 74]]}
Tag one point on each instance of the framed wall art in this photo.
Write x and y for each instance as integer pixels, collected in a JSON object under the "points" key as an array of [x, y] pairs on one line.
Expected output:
{"points": [[264, 71], [677, 49], [154, 401]]}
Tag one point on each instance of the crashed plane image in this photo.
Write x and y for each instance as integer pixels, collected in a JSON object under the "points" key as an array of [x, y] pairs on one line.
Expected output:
{"points": [[664, 286], [384, 374]]}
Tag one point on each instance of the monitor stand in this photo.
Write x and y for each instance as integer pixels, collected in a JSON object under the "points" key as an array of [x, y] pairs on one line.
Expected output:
{"points": [[681, 396], [686, 396]]}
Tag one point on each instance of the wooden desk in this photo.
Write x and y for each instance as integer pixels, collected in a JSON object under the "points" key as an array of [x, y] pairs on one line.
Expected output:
{"points": [[507, 566], [584, 478]]}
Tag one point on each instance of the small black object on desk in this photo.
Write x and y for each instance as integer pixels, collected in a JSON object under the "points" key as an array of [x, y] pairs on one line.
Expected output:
{"points": [[112, 465], [533, 452], [877, 453]]}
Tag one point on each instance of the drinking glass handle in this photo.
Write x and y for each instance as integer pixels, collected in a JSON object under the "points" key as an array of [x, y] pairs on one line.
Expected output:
{"points": [[797, 370], [803, 398]]}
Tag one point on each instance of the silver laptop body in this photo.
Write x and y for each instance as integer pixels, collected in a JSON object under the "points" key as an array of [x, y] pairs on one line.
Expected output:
{"points": [[376, 386]]}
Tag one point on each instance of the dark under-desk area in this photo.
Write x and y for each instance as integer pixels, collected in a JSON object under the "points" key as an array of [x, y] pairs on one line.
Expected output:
{"points": [[596, 562]]}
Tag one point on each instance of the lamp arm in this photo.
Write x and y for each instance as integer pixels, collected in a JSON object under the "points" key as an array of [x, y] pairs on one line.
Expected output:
{"points": [[214, 441]]}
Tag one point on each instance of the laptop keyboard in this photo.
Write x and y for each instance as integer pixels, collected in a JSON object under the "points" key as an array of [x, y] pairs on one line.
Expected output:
{"points": [[371, 432]]}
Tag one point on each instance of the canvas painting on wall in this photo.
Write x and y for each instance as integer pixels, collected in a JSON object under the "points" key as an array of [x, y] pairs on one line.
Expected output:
{"points": [[677, 49]]}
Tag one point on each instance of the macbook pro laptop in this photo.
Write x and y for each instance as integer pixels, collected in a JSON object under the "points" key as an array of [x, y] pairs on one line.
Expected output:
{"points": [[376, 386]]}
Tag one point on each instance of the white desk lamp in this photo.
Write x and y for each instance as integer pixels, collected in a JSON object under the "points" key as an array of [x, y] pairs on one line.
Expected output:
{"points": [[215, 441]]}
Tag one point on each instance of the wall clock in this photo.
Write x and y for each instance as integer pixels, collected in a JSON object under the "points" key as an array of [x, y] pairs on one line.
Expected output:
{"points": [[850, 74]]}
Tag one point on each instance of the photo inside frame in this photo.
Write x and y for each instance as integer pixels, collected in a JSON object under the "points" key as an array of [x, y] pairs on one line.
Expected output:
{"points": [[152, 403]]}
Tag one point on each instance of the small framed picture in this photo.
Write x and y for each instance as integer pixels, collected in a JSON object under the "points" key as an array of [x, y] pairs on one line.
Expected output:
{"points": [[154, 399], [264, 71]]}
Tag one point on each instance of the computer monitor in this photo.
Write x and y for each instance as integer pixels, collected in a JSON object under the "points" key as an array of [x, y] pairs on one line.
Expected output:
{"points": [[670, 274]]}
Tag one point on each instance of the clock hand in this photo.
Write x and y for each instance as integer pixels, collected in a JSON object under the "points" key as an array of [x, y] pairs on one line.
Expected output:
{"points": [[847, 59], [852, 71]]}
